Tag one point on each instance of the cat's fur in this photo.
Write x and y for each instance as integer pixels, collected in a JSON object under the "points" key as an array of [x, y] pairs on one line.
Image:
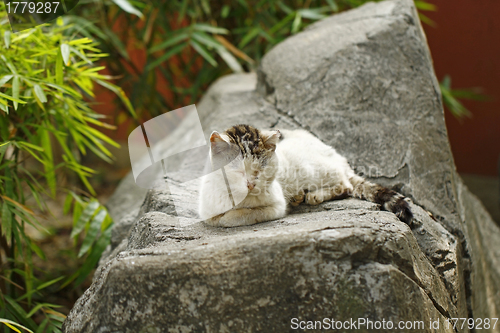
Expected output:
{"points": [[278, 169]]}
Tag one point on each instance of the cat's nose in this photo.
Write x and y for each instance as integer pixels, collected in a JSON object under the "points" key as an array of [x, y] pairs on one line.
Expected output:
{"points": [[250, 185]]}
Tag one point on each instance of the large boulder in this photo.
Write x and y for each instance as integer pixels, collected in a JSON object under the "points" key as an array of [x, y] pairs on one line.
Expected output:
{"points": [[361, 81]]}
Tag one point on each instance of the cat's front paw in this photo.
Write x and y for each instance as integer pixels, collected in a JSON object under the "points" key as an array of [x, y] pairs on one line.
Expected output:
{"points": [[314, 198], [235, 218], [297, 200]]}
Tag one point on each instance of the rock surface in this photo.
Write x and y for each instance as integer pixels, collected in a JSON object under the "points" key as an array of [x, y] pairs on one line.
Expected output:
{"points": [[363, 82]]}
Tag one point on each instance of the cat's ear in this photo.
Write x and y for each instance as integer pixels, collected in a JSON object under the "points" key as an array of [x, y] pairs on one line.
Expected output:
{"points": [[217, 143], [271, 139]]}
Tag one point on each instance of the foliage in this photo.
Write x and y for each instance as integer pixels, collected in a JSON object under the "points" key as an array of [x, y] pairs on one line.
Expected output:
{"points": [[46, 75], [185, 45], [451, 96], [197, 42]]}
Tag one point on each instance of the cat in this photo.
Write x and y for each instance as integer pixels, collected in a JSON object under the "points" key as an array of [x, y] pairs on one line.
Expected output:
{"points": [[271, 170]]}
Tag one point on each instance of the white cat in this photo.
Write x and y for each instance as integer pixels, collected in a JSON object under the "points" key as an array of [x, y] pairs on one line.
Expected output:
{"points": [[271, 170]]}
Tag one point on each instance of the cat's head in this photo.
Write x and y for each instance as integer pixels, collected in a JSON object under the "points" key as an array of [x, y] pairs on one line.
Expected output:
{"points": [[256, 161]]}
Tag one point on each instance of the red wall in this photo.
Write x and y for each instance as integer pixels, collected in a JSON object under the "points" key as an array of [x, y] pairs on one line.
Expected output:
{"points": [[466, 45]]}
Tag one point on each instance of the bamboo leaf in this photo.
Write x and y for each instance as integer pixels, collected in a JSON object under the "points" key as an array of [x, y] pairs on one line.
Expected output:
{"points": [[424, 5], [166, 56], [15, 90], [5, 79], [94, 256], [19, 312], [240, 54], [254, 32], [41, 328], [85, 217], [6, 38], [65, 52], [169, 42], [35, 309], [38, 251], [40, 94], [95, 226], [126, 6], [201, 51], [313, 13], [59, 67], [296, 23], [230, 60], [50, 174], [210, 28], [67, 203], [6, 220], [333, 5], [12, 98], [18, 205]]}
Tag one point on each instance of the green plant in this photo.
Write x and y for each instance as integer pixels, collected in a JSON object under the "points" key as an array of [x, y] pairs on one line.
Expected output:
{"points": [[46, 76], [185, 45], [451, 98], [201, 40]]}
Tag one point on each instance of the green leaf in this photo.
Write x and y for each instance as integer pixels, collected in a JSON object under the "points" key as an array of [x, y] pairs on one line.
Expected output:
{"points": [[35, 309], [6, 220], [15, 90], [67, 203], [201, 51], [6, 38], [225, 11], [94, 256], [3, 149], [40, 287], [333, 5], [40, 94], [230, 60], [29, 145], [85, 217], [5, 79], [424, 5], [95, 226], [254, 32], [206, 40], [296, 23], [3, 106], [38, 251], [41, 328], [126, 6], [59, 68], [169, 42], [313, 14], [19, 312], [425, 19], [65, 53], [12, 98], [166, 56], [210, 28], [50, 174]]}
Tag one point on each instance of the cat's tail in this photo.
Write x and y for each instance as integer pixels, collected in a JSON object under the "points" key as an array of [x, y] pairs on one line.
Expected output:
{"points": [[389, 200]]}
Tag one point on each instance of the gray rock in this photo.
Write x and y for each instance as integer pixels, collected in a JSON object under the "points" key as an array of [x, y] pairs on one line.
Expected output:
{"points": [[363, 82]]}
